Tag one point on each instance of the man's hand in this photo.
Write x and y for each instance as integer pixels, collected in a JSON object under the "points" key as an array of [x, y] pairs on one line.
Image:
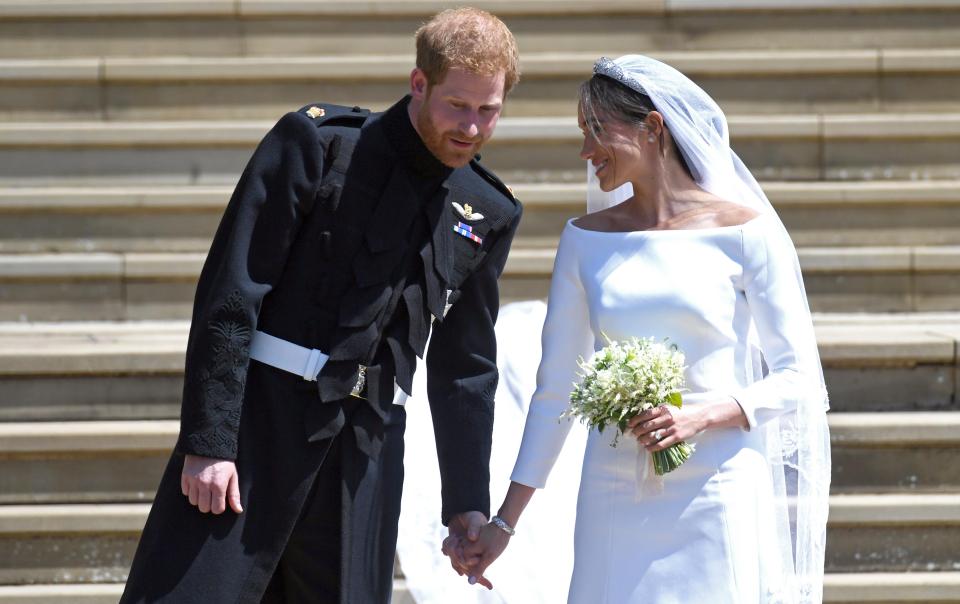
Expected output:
{"points": [[210, 483], [464, 529]]}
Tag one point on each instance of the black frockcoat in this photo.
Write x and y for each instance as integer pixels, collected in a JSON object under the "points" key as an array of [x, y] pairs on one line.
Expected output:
{"points": [[340, 238]]}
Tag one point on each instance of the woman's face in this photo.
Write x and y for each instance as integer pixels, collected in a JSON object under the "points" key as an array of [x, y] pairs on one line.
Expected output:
{"points": [[615, 148]]}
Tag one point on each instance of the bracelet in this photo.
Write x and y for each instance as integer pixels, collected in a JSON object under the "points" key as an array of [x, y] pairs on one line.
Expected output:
{"points": [[501, 524]]}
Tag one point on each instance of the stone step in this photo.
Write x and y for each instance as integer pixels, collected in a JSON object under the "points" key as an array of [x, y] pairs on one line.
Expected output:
{"points": [[109, 593], [889, 451], [183, 219], [83, 462], [900, 588], [117, 371], [893, 532], [122, 461], [839, 588], [79, 28], [138, 286], [754, 81], [85, 543], [780, 147]]}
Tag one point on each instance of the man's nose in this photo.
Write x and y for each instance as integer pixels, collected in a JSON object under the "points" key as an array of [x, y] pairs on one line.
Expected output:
{"points": [[470, 127]]}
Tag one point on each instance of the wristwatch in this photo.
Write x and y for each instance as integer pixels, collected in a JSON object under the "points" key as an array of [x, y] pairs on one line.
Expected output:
{"points": [[501, 524]]}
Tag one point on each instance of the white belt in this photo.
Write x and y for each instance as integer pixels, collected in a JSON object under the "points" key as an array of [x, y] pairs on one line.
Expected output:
{"points": [[299, 360]]}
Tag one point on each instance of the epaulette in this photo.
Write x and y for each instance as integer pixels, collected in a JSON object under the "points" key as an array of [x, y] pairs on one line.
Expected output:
{"points": [[326, 114], [491, 178]]}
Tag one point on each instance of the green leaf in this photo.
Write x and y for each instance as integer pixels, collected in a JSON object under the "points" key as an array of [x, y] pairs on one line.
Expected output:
{"points": [[675, 399]]}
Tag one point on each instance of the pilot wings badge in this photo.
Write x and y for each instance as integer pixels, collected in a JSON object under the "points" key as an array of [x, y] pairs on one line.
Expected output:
{"points": [[467, 212]]}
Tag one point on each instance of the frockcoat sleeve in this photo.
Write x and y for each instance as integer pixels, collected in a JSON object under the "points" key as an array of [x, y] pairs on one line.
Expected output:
{"points": [[462, 381], [247, 258]]}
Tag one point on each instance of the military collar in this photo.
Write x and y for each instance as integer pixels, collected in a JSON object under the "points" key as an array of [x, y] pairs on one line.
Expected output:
{"points": [[408, 144]]}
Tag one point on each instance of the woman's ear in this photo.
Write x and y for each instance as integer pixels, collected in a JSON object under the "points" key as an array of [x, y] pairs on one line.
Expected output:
{"points": [[656, 130], [654, 123]]}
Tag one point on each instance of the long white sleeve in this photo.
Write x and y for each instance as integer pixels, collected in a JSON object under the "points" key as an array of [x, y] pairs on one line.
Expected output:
{"points": [[778, 307], [566, 338]]}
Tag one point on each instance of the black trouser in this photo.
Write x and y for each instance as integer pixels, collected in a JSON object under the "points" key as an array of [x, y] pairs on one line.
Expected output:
{"points": [[309, 570], [343, 545]]}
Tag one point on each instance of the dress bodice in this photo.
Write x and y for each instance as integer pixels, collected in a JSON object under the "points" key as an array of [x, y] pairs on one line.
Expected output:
{"points": [[721, 294]]}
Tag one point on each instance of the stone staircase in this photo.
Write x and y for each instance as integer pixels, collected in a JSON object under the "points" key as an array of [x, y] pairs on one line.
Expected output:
{"points": [[123, 126]]}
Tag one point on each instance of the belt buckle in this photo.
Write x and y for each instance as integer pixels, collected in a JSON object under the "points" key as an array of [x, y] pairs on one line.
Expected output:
{"points": [[361, 382]]}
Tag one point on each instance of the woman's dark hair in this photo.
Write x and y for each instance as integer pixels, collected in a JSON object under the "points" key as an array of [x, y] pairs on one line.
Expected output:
{"points": [[603, 95]]}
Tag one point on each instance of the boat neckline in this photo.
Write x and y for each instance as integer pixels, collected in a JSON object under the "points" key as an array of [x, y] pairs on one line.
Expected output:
{"points": [[653, 231]]}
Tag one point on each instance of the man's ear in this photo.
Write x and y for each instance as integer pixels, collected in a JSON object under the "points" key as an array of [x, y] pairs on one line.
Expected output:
{"points": [[418, 84]]}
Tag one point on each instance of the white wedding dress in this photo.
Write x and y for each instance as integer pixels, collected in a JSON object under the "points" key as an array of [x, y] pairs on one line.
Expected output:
{"points": [[707, 532]]}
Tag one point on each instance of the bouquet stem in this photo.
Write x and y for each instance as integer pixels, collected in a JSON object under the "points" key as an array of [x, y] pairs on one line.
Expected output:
{"points": [[671, 458]]}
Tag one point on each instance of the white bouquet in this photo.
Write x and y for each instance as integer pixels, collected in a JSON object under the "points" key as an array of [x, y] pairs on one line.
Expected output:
{"points": [[624, 379]]}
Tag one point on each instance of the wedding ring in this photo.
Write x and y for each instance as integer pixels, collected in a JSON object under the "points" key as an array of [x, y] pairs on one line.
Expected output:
{"points": [[658, 435]]}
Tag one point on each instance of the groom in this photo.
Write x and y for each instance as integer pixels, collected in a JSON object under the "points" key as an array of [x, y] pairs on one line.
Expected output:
{"points": [[349, 239]]}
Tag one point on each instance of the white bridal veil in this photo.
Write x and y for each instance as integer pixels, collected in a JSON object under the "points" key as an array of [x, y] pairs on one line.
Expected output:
{"points": [[798, 443]]}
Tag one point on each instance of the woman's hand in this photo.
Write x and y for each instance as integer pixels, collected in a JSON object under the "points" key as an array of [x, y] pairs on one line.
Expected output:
{"points": [[666, 425], [484, 551]]}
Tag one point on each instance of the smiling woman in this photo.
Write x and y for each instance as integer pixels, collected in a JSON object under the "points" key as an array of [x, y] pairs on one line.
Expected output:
{"points": [[619, 127], [696, 256]]}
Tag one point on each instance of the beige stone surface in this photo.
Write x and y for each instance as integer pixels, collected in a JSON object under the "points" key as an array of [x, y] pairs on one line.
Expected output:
{"points": [[940, 258], [50, 70], [920, 587], [896, 429], [862, 259], [878, 126], [163, 266], [103, 593], [80, 518], [77, 266], [872, 346], [132, 36], [103, 198], [787, 5], [919, 60], [109, 593], [429, 7], [113, 8], [895, 509], [87, 437]]}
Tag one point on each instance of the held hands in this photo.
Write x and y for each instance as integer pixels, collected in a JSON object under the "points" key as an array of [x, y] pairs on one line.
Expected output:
{"points": [[210, 484], [466, 530], [485, 550]]}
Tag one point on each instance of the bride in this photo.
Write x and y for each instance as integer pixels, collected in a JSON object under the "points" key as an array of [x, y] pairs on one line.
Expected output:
{"points": [[697, 255]]}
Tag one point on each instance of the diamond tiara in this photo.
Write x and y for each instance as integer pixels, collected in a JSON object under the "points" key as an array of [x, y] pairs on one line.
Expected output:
{"points": [[606, 67]]}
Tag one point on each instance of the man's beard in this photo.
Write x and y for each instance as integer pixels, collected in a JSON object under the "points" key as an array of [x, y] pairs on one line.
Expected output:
{"points": [[436, 141]]}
